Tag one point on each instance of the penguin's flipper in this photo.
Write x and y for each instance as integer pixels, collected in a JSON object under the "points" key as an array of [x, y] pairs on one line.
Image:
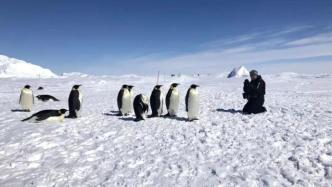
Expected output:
{"points": [[187, 99], [26, 119], [55, 99], [168, 98], [119, 98]]}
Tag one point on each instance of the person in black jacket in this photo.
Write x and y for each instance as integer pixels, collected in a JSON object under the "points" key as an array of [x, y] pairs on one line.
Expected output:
{"points": [[254, 92]]}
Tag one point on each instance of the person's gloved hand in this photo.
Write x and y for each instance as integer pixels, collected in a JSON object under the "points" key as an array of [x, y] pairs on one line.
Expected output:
{"points": [[246, 82]]}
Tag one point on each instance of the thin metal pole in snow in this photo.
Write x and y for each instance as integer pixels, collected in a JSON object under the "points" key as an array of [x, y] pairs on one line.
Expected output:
{"points": [[158, 78]]}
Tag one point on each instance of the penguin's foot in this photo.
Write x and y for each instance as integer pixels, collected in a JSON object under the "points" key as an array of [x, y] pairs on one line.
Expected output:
{"points": [[194, 119], [71, 116], [153, 116], [169, 116], [138, 119]]}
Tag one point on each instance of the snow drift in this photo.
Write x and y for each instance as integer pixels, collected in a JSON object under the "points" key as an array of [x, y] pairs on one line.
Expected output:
{"points": [[238, 72], [11, 67]]}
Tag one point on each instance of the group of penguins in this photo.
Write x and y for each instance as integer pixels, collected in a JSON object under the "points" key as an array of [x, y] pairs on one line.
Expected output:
{"points": [[74, 104], [125, 101], [141, 102]]}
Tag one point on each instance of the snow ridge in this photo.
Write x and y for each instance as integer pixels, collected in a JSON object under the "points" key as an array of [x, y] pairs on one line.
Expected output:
{"points": [[238, 72], [12, 67]]}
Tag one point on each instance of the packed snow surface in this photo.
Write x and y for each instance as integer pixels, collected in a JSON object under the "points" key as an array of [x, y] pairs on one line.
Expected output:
{"points": [[291, 144], [238, 72], [11, 67]]}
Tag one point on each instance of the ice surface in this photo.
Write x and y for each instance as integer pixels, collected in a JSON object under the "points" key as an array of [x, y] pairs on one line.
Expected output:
{"points": [[291, 144]]}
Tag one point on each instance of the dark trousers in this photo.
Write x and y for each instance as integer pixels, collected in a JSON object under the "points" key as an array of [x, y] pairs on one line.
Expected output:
{"points": [[254, 106]]}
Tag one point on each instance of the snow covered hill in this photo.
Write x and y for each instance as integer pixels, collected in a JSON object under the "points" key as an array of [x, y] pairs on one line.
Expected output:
{"points": [[238, 72], [290, 145], [11, 67]]}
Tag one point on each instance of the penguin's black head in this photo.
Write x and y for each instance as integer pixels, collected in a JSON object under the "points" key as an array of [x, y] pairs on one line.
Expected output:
{"points": [[174, 85], [124, 86], [63, 111], [158, 87], [77, 86], [194, 86], [27, 86], [130, 87]]}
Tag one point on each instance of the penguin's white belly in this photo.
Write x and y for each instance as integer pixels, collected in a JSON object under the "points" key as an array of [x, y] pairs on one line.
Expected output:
{"points": [[174, 104], [193, 106], [131, 105], [126, 104], [80, 98], [161, 107], [56, 118], [144, 115], [26, 100]]}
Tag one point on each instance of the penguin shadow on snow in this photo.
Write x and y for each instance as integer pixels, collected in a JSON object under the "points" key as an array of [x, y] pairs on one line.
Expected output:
{"points": [[20, 110], [116, 113], [111, 114], [233, 111]]}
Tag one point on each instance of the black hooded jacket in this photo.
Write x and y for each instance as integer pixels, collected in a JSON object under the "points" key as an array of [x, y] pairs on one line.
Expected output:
{"points": [[254, 89]]}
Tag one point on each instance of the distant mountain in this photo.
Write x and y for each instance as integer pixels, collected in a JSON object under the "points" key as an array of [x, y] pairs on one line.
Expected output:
{"points": [[11, 67], [238, 72]]}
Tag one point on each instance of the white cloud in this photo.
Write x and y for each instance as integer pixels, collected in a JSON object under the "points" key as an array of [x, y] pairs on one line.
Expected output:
{"points": [[320, 38], [258, 51]]}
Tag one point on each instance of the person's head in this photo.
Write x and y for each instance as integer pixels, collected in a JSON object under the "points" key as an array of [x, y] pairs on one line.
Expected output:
{"points": [[253, 74]]}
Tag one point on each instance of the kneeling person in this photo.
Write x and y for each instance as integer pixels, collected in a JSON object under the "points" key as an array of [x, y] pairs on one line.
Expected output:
{"points": [[254, 92]]}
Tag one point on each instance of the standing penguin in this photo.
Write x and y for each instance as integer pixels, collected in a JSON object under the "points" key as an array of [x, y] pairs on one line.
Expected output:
{"points": [[192, 102], [26, 98], [141, 107], [124, 100], [75, 102], [157, 101], [172, 100], [47, 115]]}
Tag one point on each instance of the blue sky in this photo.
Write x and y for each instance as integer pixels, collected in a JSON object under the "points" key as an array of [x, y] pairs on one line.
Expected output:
{"points": [[118, 37]]}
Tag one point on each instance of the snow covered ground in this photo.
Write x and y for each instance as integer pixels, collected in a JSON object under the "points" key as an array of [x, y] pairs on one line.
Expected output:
{"points": [[290, 144]]}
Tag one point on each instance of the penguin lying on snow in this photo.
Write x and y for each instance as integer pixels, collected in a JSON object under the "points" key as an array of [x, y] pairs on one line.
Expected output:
{"points": [[26, 98], [46, 98], [172, 100], [157, 101], [75, 101], [141, 107], [47, 115], [192, 103]]}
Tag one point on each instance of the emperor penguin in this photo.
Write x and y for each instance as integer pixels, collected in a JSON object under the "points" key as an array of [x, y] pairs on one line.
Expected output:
{"points": [[45, 98], [124, 101], [192, 102], [141, 107], [157, 101], [47, 115], [26, 98], [172, 100], [75, 102]]}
